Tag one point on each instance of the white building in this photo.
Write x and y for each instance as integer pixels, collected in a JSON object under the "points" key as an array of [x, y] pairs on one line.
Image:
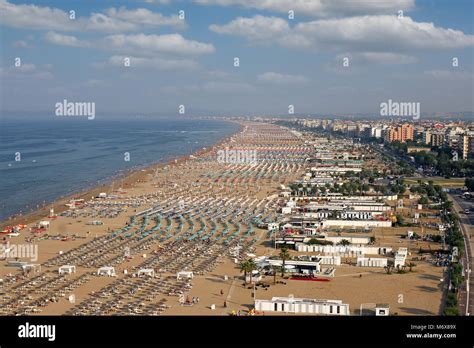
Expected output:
{"points": [[106, 271], [146, 272], [67, 269], [302, 306], [273, 226], [399, 261], [184, 274], [256, 277], [382, 309], [357, 223], [43, 224], [371, 262], [330, 260]]}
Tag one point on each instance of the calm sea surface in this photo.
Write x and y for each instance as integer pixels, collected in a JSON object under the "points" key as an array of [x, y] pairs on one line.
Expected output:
{"points": [[63, 156]]}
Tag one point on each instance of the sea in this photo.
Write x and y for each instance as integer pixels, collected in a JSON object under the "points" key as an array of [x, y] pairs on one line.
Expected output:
{"points": [[44, 160]]}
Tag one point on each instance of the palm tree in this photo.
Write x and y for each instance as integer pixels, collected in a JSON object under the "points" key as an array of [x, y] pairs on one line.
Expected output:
{"points": [[247, 266], [244, 266], [275, 270], [344, 242], [284, 255], [389, 268]]}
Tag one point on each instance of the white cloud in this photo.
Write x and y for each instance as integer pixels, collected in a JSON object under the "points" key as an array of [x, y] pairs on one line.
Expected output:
{"points": [[27, 71], [34, 17], [143, 16], [319, 8], [155, 63], [114, 20], [152, 44], [103, 23], [64, 40], [386, 33], [360, 34], [273, 77], [257, 28], [378, 58]]}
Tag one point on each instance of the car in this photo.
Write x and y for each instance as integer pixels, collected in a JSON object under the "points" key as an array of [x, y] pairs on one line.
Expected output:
{"points": [[467, 211]]}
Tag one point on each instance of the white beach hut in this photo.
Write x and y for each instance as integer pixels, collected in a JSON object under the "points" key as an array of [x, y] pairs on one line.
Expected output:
{"points": [[382, 309], [149, 272], [106, 271], [67, 269], [184, 274]]}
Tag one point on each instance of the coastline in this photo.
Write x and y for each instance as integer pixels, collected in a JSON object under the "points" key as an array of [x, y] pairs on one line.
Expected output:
{"points": [[127, 178]]}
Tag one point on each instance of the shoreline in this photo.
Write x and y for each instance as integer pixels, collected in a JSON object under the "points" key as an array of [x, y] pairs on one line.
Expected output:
{"points": [[127, 178]]}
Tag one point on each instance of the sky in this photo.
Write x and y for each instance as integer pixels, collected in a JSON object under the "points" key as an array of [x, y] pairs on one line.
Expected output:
{"points": [[320, 56]]}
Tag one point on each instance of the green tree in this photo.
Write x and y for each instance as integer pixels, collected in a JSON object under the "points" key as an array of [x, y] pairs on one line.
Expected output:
{"points": [[423, 200], [388, 268], [248, 266], [344, 242], [470, 184], [284, 255]]}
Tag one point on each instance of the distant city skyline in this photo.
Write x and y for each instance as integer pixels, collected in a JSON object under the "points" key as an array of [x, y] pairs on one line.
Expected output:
{"points": [[320, 57]]}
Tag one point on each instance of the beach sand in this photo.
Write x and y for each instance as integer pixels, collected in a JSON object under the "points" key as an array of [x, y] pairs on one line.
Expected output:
{"points": [[196, 182]]}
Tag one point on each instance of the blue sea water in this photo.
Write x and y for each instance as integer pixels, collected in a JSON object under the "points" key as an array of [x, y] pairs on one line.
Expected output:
{"points": [[63, 156]]}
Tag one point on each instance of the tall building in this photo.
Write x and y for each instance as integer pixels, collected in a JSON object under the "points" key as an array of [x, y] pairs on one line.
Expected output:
{"points": [[466, 146], [437, 139], [401, 133], [426, 137], [376, 132]]}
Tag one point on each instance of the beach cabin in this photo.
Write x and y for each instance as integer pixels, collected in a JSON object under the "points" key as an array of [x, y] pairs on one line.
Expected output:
{"points": [[256, 277], [382, 310], [312, 266], [302, 306], [146, 272], [399, 261], [273, 226], [35, 267], [67, 269], [371, 262], [185, 275], [402, 252], [106, 271], [43, 224], [329, 260]]}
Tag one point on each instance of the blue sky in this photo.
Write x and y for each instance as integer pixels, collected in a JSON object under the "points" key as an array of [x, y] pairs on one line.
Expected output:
{"points": [[282, 61]]}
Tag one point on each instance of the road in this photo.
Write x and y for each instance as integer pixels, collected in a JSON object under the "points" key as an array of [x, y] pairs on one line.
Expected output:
{"points": [[467, 227]]}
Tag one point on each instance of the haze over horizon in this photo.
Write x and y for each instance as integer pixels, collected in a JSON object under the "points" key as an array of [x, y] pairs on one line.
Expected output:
{"points": [[282, 61]]}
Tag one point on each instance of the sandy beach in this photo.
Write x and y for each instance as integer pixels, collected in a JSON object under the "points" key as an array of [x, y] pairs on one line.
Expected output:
{"points": [[193, 214]]}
